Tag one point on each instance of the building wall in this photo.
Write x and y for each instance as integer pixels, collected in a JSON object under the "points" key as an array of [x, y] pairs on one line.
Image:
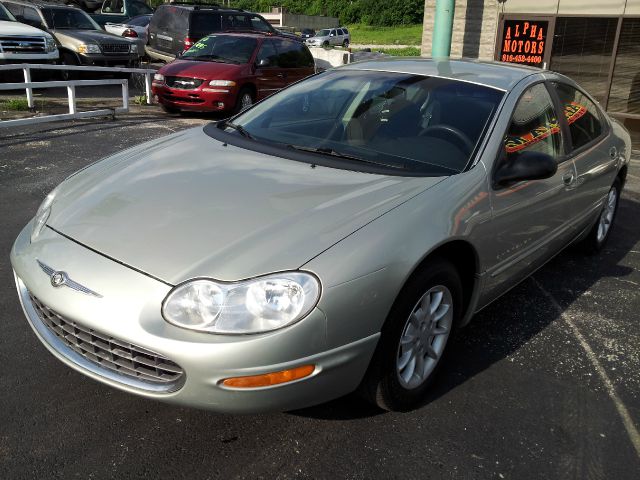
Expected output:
{"points": [[475, 24], [567, 7]]}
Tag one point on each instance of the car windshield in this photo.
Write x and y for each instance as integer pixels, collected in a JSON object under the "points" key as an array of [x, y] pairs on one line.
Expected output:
{"points": [[6, 14], [222, 48], [69, 18], [429, 125], [323, 33]]}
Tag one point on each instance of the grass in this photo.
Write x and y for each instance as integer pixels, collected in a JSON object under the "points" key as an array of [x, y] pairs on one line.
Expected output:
{"points": [[400, 35], [399, 52], [14, 104]]}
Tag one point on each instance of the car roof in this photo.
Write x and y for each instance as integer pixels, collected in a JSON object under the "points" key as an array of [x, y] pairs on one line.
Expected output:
{"points": [[502, 76], [43, 4]]}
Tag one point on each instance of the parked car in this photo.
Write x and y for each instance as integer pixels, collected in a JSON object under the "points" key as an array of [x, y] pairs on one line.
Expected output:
{"points": [[174, 28], [80, 40], [330, 37], [307, 33], [330, 238], [230, 71], [136, 29], [120, 11], [22, 43]]}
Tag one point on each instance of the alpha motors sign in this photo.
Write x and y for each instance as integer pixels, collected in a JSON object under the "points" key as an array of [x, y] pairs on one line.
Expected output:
{"points": [[524, 42]]}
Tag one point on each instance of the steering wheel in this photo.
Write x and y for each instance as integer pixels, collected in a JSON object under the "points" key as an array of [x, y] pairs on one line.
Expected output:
{"points": [[436, 130]]}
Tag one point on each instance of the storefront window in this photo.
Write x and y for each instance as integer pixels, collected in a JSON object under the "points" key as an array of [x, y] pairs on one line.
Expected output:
{"points": [[625, 88], [583, 50]]}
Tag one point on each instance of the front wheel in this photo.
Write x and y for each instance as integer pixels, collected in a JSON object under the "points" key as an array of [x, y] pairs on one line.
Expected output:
{"points": [[599, 234], [414, 338], [245, 100], [345, 44]]}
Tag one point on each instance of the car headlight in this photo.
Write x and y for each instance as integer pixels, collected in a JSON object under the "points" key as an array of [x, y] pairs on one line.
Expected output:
{"points": [[222, 83], [158, 77], [251, 306], [50, 44], [42, 215], [88, 48]]}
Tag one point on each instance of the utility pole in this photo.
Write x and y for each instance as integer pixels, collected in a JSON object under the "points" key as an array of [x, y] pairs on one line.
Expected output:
{"points": [[442, 28]]}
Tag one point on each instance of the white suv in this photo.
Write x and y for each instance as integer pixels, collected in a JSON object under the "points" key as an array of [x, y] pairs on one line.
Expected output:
{"points": [[330, 37], [20, 43]]}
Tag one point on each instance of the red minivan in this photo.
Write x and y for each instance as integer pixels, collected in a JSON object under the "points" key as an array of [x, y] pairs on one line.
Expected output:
{"points": [[231, 71]]}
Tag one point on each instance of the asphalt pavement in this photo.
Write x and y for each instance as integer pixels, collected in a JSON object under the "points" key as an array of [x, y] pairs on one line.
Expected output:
{"points": [[544, 383]]}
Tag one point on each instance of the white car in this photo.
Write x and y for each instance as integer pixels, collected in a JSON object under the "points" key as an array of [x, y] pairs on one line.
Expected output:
{"points": [[330, 37], [136, 29], [21, 43]]}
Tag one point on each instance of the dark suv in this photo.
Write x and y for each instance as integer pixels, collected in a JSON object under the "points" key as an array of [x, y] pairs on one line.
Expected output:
{"points": [[174, 28]]}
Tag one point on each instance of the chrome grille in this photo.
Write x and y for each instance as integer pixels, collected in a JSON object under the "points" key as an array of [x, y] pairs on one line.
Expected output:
{"points": [[184, 83], [115, 48], [22, 44], [107, 352]]}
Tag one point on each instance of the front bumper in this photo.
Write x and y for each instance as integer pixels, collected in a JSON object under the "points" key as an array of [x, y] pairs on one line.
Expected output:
{"points": [[100, 60], [129, 311], [197, 99], [49, 57]]}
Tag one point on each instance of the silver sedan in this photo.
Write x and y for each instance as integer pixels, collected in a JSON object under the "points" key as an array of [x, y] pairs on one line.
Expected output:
{"points": [[331, 238]]}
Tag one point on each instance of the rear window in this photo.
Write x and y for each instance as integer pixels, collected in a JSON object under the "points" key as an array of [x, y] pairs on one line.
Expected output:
{"points": [[204, 23], [222, 49]]}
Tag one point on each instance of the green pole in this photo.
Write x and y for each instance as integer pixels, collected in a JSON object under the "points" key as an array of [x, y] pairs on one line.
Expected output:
{"points": [[442, 28]]}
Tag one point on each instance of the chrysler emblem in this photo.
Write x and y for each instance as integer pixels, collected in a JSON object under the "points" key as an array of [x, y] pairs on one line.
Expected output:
{"points": [[61, 279], [58, 279]]}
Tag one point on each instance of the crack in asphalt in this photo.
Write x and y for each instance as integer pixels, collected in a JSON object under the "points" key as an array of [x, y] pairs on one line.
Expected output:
{"points": [[625, 416]]}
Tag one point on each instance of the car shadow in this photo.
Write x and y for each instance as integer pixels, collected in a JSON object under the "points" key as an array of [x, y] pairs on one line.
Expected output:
{"points": [[506, 325]]}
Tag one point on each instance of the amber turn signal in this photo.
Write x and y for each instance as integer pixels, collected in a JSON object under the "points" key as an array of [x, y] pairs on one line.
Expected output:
{"points": [[269, 379]]}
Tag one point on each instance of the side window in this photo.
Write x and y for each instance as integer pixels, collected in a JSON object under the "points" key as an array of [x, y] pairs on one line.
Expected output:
{"points": [[346, 32], [581, 114], [305, 58], [534, 126], [268, 52], [259, 24], [333, 33], [289, 55]]}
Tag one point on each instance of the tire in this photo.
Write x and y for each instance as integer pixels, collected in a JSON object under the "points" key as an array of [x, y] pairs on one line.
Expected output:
{"points": [[345, 44], [389, 382], [245, 100], [599, 235], [168, 109], [67, 58], [325, 44]]}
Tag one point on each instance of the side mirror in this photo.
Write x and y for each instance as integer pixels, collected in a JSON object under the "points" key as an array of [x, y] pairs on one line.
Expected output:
{"points": [[263, 62], [526, 166]]}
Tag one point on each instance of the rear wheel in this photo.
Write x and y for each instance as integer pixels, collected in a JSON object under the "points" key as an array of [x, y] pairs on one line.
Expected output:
{"points": [[325, 44], [345, 44], [414, 338], [599, 234]]}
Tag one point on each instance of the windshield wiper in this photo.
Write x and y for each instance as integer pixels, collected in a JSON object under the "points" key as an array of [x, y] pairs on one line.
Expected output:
{"points": [[239, 128], [333, 153]]}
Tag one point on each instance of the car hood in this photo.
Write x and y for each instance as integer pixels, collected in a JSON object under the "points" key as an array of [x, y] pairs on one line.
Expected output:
{"points": [[88, 36], [199, 69], [190, 206], [17, 28]]}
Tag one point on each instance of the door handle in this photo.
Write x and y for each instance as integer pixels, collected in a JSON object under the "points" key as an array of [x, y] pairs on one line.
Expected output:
{"points": [[613, 152], [568, 178]]}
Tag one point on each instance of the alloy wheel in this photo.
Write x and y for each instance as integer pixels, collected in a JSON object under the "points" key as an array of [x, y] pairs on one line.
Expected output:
{"points": [[606, 217], [424, 337]]}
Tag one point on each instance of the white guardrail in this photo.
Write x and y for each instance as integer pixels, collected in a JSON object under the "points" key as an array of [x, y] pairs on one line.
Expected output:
{"points": [[71, 85]]}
